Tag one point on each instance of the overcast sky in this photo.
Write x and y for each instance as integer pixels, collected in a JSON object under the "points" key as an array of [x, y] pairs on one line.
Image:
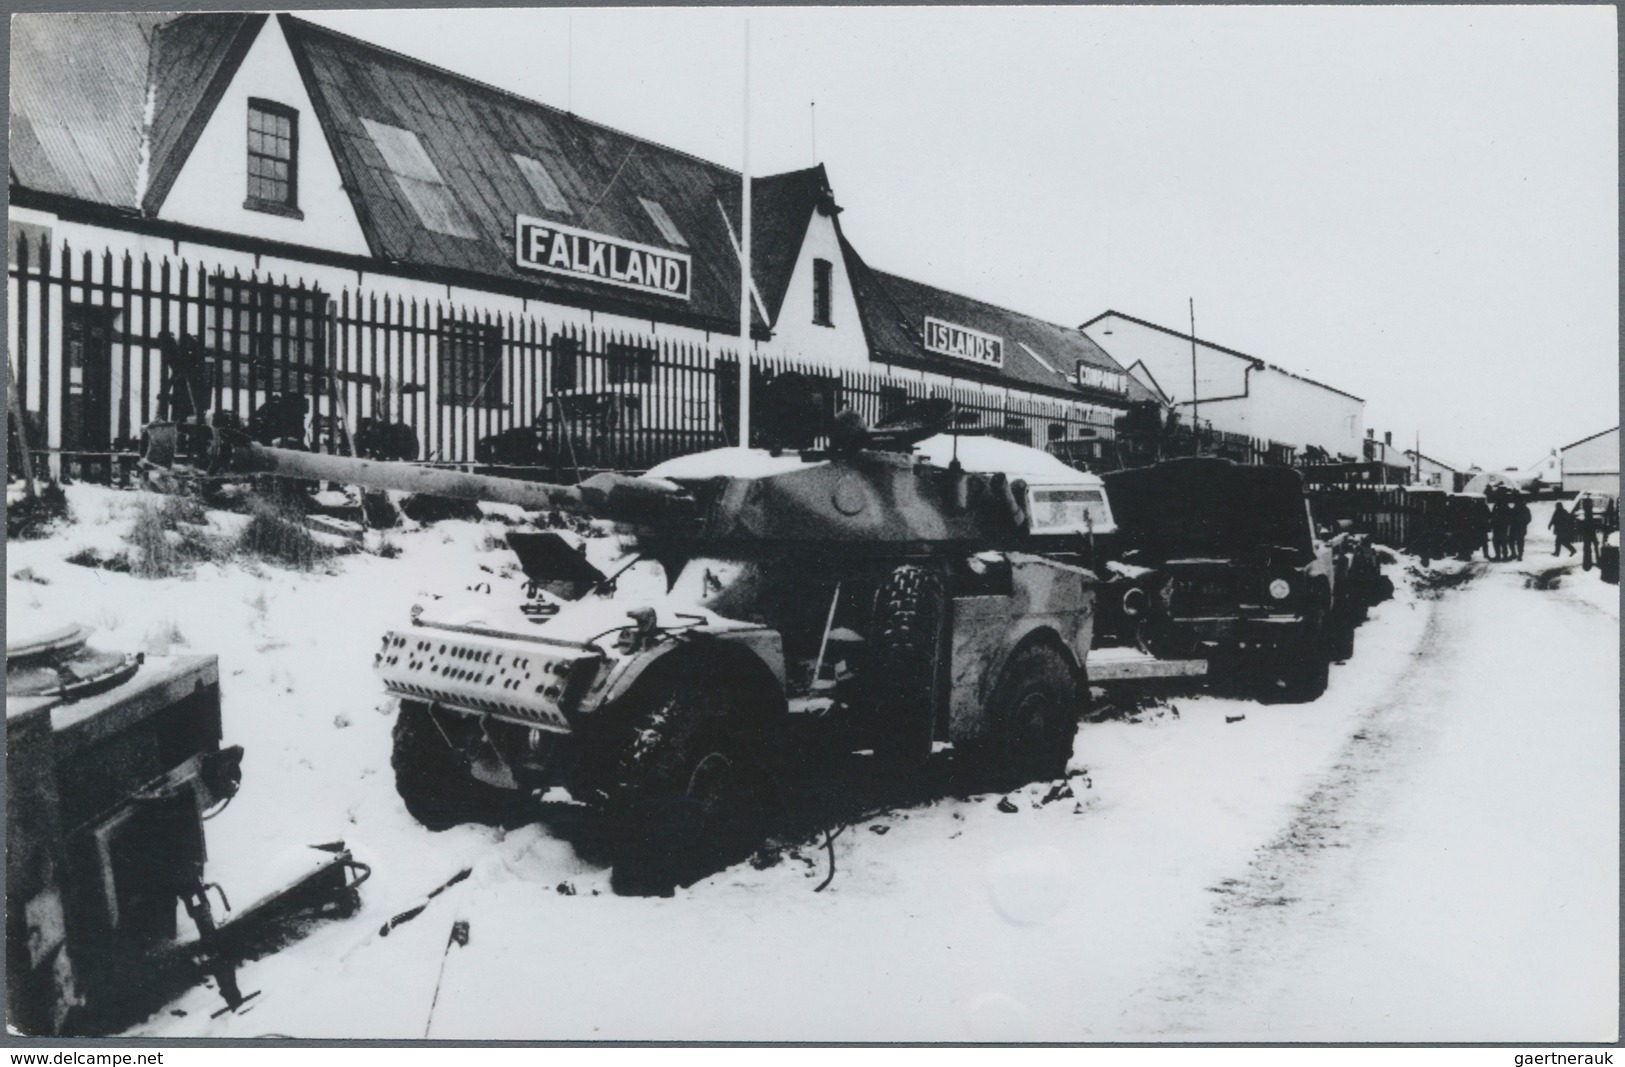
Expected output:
{"points": [[1416, 205]]}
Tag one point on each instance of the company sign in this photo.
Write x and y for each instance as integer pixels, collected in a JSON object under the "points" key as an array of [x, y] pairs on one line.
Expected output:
{"points": [[1109, 381], [548, 246], [962, 342]]}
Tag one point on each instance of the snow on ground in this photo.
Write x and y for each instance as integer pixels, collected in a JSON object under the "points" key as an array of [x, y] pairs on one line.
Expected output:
{"points": [[1428, 852]]}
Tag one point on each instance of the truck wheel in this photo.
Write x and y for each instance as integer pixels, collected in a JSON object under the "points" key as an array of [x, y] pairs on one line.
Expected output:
{"points": [[1033, 721], [432, 778], [1300, 675], [690, 787], [908, 622]]}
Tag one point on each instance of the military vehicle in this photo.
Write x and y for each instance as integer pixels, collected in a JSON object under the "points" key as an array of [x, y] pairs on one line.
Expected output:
{"points": [[920, 599], [113, 761], [1220, 562]]}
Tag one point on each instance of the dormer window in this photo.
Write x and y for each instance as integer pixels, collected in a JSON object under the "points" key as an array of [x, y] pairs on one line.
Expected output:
{"points": [[273, 159]]}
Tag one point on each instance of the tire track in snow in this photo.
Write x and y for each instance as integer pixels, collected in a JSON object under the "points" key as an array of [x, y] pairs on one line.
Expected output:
{"points": [[1298, 877]]}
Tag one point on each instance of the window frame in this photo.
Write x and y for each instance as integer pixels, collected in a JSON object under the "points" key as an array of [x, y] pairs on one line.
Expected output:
{"points": [[823, 297], [252, 202], [458, 338]]}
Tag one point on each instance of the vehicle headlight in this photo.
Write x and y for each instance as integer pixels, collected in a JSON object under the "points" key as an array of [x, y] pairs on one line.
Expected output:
{"points": [[1280, 588]]}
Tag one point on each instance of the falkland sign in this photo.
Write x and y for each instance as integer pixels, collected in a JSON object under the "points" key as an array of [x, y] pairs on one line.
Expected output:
{"points": [[962, 342], [548, 246]]}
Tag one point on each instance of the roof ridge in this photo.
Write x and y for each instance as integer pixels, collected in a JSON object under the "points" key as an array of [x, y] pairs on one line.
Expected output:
{"points": [[977, 300], [1592, 437], [306, 25]]}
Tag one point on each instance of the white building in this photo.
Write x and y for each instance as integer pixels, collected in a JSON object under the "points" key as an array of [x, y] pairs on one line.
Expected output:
{"points": [[1591, 464], [299, 212], [1240, 394]]}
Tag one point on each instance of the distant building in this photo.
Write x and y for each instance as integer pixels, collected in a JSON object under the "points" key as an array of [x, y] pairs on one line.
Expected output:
{"points": [[1547, 469], [1281, 412], [1591, 464], [1428, 471]]}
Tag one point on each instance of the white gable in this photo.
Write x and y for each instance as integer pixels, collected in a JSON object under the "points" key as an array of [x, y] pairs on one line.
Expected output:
{"points": [[794, 332], [213, 182]]}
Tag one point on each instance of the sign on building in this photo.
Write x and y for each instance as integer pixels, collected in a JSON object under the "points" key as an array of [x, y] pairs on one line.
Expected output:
{"points": [[962, 342], [548, 246], [1110, 381]]}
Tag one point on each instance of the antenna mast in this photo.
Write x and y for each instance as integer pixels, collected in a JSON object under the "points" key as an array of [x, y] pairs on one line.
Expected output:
{"points": [[1196, 422]]}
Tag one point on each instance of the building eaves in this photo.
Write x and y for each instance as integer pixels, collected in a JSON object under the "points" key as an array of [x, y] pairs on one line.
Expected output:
{"points": [[1593, 437]]}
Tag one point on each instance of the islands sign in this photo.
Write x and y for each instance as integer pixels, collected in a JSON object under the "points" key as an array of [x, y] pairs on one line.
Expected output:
{"points": [[948, 339], [548, 246]]}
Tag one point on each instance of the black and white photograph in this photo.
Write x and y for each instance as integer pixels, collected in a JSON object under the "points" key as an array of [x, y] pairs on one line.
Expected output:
{"points": [[953, 525]]}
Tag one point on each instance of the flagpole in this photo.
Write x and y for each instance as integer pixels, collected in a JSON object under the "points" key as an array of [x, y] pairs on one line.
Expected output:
{"points": [[744, 264]]}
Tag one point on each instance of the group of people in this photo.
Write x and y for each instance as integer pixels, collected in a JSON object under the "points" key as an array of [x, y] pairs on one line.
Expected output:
{"points": [[1508, 523]]}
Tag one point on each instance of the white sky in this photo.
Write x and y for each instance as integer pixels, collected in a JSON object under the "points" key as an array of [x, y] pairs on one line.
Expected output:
{"points": [[1416, 205]]}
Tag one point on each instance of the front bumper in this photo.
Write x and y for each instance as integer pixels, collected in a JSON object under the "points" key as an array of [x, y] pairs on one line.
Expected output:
{"points": [[1220, 634]]}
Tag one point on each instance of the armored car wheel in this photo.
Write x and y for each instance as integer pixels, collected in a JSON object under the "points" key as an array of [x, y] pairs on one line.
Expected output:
{"points": [[691, 786], [908, 625], [1033, 721], [433, 778]]}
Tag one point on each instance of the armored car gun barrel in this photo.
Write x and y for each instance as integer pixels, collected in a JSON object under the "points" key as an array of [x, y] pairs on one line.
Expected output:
{"points": [[215, 451]]}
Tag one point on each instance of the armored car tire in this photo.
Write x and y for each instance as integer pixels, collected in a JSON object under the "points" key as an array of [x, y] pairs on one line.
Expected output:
{"points": [[1033, 721], [909, 616], [433, 778], [691, 785]]}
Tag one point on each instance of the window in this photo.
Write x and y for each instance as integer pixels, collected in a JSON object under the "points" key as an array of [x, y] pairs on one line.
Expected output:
{"points": [[471, 363], [624, 363], [265, 336], [419, 179], [563, 360], [662, 221], [542, 184], [893, 398], [821, 279], [273, 158]]}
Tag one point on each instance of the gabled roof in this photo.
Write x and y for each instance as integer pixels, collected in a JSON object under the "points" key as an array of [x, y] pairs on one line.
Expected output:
{"points": [[471, 132], [1414, 454], [82, 84], [781, 206], [1036, 353], [1593, 437], [193, 60], [1254, 360], [78, 96]]}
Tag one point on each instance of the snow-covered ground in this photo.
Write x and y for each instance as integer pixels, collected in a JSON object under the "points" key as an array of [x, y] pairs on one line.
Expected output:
{"points": [[1428, 852]]}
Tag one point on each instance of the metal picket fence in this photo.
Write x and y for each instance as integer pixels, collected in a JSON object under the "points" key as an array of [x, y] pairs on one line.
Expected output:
{"points": [[101, 345]]}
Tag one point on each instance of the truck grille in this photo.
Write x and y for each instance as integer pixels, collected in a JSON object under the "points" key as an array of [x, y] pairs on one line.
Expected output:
{"points": [[505, 678], [1204, 595]]}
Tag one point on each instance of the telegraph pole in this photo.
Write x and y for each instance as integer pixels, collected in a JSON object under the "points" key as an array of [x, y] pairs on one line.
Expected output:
{"points": [[744, 264]]}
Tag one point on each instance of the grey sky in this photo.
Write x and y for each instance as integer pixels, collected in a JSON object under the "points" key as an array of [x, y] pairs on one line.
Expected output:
{"points": [[1416, 205]]}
